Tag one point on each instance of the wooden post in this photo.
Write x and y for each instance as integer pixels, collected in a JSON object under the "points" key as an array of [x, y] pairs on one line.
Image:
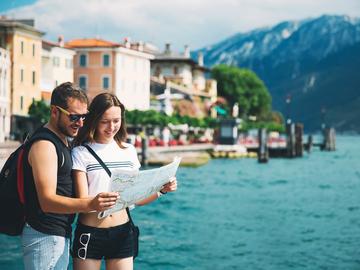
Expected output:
{"points": [[290, 143], [144, 148], [263, 151], [309, 144], [332, 139], [299, 131], [329, 139]]}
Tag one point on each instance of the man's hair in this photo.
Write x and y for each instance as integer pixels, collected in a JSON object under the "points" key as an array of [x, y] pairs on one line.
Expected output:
{"points": [[64, 91]]}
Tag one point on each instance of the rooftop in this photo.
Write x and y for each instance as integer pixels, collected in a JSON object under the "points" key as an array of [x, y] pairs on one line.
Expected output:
{"points": [[26, 24], [91, 43]]}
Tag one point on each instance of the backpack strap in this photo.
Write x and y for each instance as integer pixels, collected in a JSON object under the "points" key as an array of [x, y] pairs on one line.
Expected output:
{"points": [[20, 176], [108, 172]]}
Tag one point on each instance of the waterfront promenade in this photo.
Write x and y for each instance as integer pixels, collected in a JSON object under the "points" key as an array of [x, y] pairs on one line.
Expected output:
{"points": [[192, 155], [6, 148]]}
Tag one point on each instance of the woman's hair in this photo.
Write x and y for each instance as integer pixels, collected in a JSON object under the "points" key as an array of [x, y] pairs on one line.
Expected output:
{"points": [[98, 106]]}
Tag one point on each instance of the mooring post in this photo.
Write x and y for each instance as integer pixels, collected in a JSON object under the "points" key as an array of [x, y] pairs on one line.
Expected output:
{"points": [[329, 139], [299, 147], [290, 143], [309, 144], [332, 139], [263, 151], [144, 148]]}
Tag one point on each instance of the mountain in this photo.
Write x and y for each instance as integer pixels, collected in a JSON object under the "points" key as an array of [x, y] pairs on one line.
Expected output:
{"points": [[315, 61]]}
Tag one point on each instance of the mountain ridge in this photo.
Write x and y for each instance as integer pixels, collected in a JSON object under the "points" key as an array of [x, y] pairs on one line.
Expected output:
{"points": [[294, 58]]}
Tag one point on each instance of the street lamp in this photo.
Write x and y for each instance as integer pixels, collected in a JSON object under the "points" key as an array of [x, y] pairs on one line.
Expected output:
{"points": [[288, 101], [323, 112]]}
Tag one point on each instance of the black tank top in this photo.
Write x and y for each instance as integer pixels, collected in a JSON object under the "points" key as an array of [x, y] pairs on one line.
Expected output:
{"points": [[49, 223]]}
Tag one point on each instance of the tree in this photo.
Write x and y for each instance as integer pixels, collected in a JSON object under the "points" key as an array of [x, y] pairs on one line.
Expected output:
{"points": [[40, 110], [244, 87]]}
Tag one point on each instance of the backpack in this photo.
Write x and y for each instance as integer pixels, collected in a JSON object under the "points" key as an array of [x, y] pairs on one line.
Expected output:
{"points": [[12, 196]]}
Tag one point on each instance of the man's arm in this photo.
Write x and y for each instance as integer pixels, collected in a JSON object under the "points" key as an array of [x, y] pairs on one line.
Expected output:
{"points": [[44, 162]]}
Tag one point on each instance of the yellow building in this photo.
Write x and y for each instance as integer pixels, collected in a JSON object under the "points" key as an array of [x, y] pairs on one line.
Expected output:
{"points": [[23, 42]]}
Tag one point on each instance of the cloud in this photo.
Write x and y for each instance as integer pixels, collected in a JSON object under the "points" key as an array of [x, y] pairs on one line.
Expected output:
{"points": [[194, 22]]}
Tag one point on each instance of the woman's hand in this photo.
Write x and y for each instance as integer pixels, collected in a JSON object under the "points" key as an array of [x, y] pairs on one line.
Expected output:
{"points": [[171, 186]]}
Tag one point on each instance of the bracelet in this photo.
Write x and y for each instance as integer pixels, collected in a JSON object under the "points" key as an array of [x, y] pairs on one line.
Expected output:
{"points": [[160, 193]]}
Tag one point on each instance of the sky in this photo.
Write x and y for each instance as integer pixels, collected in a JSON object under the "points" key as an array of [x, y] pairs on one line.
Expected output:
{"points": [[196, 23]]}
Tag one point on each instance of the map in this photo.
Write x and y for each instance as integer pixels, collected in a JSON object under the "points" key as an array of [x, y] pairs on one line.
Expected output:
{"points": [[134, 186]]}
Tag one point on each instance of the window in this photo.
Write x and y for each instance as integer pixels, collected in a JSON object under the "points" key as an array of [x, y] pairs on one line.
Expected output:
{"points": [[56, 61], [4, 116], [33, 50], [22, 47], [83, 60], [68, 63], [4, 84], [21, 103], [33, 77], [106, 82], [83, 82], [106, 60], [21, 75]]}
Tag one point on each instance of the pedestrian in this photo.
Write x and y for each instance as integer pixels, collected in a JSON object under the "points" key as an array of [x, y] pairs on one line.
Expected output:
{"points": [[48, 185], [110, 238]]}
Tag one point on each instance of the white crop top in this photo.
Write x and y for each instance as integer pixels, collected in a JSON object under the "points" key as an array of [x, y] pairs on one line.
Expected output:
{"points": [[112, 155]]}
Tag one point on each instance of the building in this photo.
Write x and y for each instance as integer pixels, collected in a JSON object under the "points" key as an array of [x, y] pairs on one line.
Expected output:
{"points": [[57, 66], [5, 101], [23, 42], [121, 69], [180, 74]]}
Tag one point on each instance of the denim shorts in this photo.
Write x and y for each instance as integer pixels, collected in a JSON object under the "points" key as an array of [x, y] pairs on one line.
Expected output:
{"points": [[44, 251], [108, 243]]}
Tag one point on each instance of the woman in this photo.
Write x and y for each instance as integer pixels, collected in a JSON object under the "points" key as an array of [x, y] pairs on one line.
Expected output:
{"points": [[111, 237]]}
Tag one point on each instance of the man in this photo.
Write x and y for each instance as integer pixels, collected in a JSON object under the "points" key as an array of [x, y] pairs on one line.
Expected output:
{"points": [[49, 205]]}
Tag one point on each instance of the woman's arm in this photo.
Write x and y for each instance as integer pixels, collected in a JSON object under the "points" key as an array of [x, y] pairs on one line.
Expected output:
{"points": [[81, 185], [169, 187]]}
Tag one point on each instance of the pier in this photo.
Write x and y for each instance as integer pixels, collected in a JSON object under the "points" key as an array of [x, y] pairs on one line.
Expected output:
{"points": [[193, 155]]}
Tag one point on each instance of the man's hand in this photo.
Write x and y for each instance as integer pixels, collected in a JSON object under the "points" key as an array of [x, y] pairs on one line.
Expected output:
{"points": [[104, 201], [171, 186]]}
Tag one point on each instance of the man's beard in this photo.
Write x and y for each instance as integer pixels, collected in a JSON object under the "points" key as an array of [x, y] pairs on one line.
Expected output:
{"points": [[62, 128]]}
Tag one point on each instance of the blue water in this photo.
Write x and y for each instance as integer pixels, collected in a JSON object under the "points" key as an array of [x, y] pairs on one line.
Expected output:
{"points": [[237, 214]]}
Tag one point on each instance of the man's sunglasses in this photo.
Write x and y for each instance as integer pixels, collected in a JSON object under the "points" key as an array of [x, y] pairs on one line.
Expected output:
{"points": [[72, 117]]}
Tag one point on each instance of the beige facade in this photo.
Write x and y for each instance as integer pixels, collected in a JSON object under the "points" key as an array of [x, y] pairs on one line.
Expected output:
{"points": [[24, 43], [5, 101], [57, 67], [133, 78]]}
